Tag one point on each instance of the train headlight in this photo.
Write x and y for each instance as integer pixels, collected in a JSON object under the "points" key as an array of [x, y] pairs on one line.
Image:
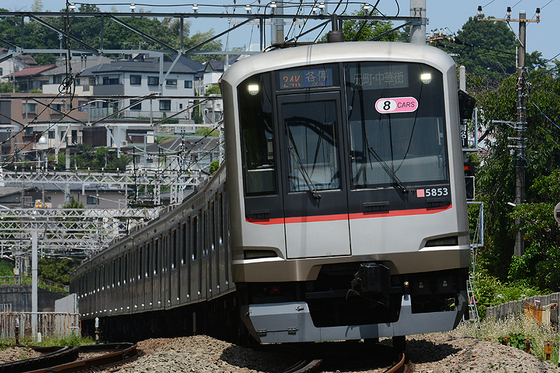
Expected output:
{"points": [[253, 89], [426, 78]]}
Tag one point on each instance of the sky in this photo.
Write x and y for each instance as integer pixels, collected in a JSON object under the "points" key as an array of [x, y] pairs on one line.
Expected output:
{"points": [[442, 14]]}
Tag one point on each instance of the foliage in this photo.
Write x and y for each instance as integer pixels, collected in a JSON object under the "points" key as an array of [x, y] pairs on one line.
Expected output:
{"points": [[490, 291], [6, 268], [487, 49], [72, 340], [214, 166], [73, 204], [205, 131], [518, 326], [170, 120], [516, 340], [214, 89], [367, 30], [57, 270], [115, 35], [541, 259], [496, 178], [100, 158], [60, 164], [6, 87]]}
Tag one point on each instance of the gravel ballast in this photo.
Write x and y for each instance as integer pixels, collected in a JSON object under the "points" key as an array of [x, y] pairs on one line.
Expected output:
{"points": [[429, 353]]}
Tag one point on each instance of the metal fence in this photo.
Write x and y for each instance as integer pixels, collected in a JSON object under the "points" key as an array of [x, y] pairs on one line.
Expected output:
{"points": [[547, 304], [51, 324]]}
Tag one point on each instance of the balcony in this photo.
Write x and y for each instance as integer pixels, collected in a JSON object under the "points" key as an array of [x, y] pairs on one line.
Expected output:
{"points": [[108, 90]]}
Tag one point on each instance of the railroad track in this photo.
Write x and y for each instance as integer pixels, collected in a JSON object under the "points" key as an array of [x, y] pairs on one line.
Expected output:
{"points": [[64, 359], [385, 359]]}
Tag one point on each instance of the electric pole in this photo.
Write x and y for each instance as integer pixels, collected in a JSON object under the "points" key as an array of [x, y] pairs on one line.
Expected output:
{"points": [[521, 126], [418, 31], [521, 123]]}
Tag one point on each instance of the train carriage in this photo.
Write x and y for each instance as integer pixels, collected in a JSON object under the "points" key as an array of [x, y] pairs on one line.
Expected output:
{"points": [[345, 171], [343, 215]]}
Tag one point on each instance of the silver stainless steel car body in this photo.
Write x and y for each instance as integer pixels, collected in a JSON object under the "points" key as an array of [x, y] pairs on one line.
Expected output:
{"points": [[406, 240]]}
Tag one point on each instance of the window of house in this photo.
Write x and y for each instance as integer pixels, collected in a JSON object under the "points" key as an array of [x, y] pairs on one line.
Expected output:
{"points": [[171, 82], [153, 80], [136, 105], [51, 134], [109, 80], [29, 108], [58, 107], [164, 105], [135, 79], [91, 200], [188, 83]]}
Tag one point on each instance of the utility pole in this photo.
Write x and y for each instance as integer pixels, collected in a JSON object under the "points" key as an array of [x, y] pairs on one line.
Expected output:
{"points": [[278, 23], [418, 31], [521, 123], [521, 126]]}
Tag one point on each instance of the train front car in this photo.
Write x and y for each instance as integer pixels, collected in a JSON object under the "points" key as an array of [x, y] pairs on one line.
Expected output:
{"points": [[348, 209]]}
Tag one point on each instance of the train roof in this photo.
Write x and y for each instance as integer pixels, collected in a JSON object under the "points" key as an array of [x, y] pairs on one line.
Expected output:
{"points": [[337, 52]]}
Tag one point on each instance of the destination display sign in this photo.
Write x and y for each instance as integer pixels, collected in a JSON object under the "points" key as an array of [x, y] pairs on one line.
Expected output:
{"points": [[306, 78], [379, 77]]}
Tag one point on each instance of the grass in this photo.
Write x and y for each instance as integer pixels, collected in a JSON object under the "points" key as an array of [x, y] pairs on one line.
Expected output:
{"points": [[517, 327], [72, 340]]}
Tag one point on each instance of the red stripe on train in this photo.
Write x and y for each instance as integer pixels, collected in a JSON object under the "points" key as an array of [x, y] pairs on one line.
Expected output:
{"points": [[361, 215]]}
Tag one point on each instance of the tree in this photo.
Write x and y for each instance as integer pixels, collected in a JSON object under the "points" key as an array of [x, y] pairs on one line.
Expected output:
{"points": [[6, 87], [488, 51], [367, 30], [496, 176], [57, 270], [37, 6]]}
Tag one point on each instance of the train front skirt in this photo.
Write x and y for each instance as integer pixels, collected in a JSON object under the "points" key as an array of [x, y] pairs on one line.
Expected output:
{"points": [[291, 322]]}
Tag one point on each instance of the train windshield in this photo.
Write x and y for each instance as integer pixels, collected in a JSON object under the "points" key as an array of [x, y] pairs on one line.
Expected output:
{"points": [[312, 145], [396, 124]]}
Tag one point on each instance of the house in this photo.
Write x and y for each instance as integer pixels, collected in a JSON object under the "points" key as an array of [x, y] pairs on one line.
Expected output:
{"points": [[56, 76], [152, 90], [10, 65], [213, 71], [29, 78]]}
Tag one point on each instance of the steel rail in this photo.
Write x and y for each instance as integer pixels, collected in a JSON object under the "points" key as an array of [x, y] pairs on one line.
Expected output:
{"points": [[63, 360]]}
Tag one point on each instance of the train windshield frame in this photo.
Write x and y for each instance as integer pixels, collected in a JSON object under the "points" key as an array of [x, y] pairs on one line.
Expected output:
{"points": [[387, 135]]}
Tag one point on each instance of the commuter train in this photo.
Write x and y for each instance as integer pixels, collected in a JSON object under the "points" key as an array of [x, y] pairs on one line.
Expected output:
{"points": [[343, 215]]}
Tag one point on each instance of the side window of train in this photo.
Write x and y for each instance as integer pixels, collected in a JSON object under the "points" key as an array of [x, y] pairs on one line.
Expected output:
{"points": [[173, 248], [156, 256], [164, 250], [114, 273], [212, 226], [257, 135], [194, 240], [203, 241], [119, 260], [138, 263], [148, 259], [220, 219], [185, 237], [125, 269]]}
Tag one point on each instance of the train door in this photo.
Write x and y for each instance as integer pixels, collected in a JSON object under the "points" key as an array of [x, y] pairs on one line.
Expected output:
{"points": [[315, 200]]}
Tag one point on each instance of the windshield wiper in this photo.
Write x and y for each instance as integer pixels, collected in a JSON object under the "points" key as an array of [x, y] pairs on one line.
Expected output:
{"points": [[388, 170], [304, 174]]}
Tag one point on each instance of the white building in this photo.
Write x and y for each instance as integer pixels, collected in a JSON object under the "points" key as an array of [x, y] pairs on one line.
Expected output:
{"points": [[152, 90]]}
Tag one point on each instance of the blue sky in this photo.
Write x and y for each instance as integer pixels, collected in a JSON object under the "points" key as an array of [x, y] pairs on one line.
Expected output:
{"points": [[442, 14]]}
